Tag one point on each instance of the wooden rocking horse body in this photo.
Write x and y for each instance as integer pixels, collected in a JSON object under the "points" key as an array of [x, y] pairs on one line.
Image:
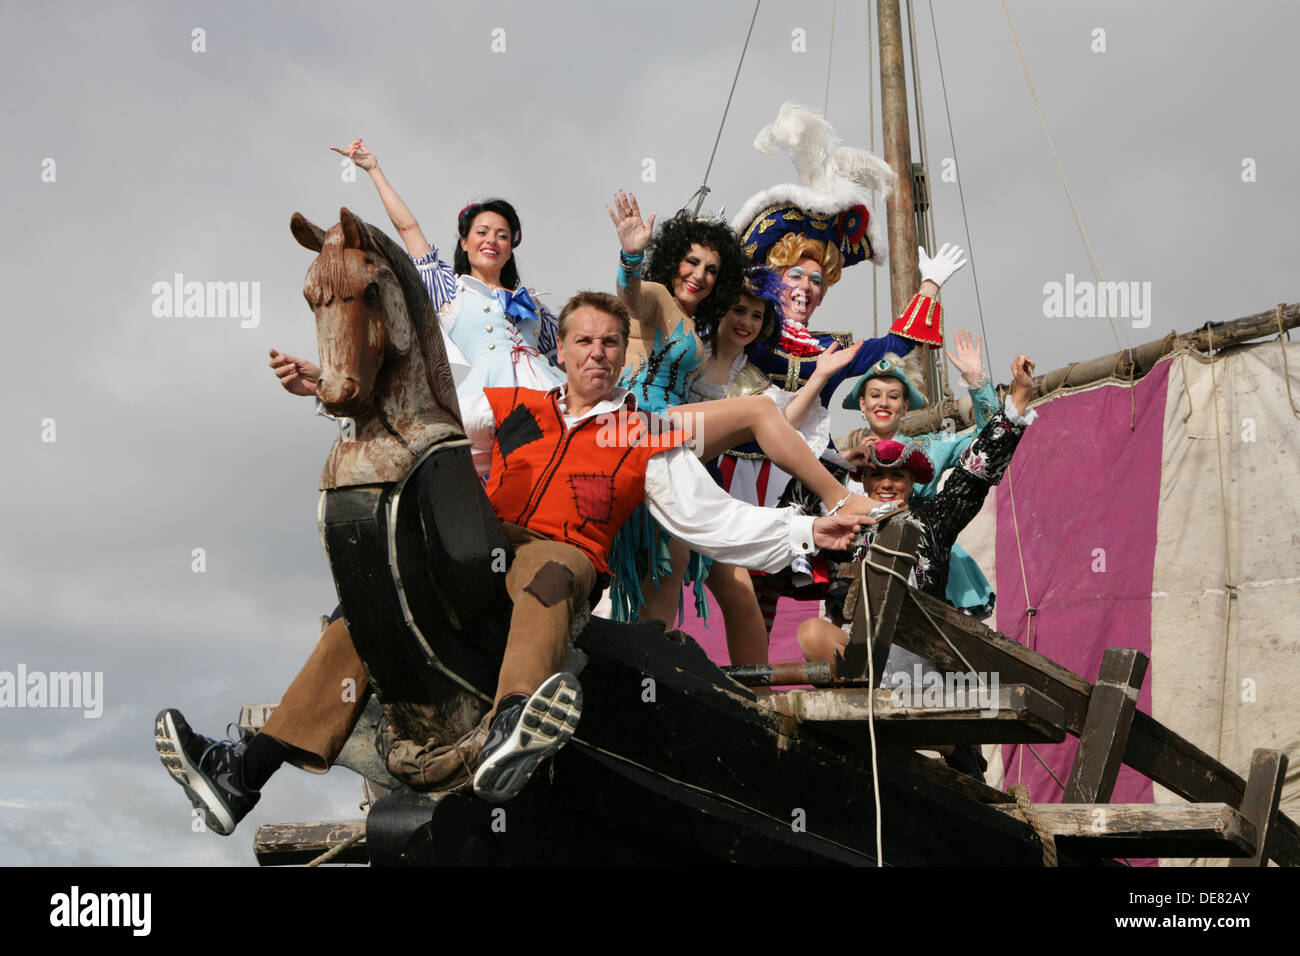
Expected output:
{"points": [[409, 534]]}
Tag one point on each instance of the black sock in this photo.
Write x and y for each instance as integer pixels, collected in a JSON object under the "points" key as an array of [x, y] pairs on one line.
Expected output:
{"points": [[262, 758]]}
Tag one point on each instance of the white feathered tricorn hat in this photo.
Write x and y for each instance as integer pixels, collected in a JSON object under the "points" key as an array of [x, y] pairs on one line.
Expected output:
{"points": [[831, 201]]}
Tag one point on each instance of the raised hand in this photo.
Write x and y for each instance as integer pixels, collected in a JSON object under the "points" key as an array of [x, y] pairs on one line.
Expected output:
{"points": [[298, 376], [633, 232], [358, 153], [942, 267], [1022, 385], [861, 454], [834, 359], [968, 359], [1022, 371]]}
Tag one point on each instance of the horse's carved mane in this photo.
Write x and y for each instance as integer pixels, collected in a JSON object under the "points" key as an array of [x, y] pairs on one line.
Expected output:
{"points": [[412, 394], [420, 308]]}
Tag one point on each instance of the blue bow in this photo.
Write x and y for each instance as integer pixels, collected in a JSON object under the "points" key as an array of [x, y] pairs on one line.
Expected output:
{"points": [[518, 304]]}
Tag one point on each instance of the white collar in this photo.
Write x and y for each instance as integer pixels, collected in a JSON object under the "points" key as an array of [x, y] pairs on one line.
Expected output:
{"points": [[616, 401], [477, 285]]}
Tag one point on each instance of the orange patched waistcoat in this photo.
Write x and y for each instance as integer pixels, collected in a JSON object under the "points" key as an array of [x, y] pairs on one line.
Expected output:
{"points": [[577, 485]]}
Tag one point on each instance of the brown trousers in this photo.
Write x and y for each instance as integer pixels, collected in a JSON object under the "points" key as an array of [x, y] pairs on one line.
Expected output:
{"points": [[548, 582]]}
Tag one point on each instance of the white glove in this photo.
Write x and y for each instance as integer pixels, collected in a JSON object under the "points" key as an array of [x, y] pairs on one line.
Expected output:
{"points": [[941, 268]]}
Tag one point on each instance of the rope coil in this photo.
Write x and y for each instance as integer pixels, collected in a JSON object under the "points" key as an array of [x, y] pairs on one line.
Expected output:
{"points": [[1035, 820]]}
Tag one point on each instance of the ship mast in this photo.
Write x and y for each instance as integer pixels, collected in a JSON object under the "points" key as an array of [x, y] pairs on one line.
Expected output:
{"points": [[904, 208]]}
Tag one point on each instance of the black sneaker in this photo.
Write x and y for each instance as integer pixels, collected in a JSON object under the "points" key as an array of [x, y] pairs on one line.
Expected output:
{"points": [[524, 734], [208, 770]]}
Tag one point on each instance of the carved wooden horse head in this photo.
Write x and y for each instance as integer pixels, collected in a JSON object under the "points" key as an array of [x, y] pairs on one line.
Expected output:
{"points": [[382, 358]]}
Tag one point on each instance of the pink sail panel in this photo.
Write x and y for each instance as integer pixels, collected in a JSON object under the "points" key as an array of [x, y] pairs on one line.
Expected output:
{"points": [[1086, 486]]}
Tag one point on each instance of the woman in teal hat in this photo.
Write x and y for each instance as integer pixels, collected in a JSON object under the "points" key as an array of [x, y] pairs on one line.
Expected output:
{"points": [[884, 395]]}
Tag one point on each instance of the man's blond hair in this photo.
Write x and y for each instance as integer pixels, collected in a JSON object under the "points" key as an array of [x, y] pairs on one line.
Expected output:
{"points": [[601, 302]]}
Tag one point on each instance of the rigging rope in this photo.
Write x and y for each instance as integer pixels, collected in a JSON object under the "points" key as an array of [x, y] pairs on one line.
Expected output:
{"points": [[1032, 817], [1229, 589], [871, 714], [703, 191], [871, 132], [1286, 367], [338, 848], [1078, 219], [961, 192], [938, 367], [829, 54]]}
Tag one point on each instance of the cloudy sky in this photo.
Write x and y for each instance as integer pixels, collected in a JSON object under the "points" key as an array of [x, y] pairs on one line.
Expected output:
{"points": [[133, 157]]}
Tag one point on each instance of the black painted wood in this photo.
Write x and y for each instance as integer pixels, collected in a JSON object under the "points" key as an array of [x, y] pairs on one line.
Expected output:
{"points": [[1105, 734], [1259, 805], [886, 595]]}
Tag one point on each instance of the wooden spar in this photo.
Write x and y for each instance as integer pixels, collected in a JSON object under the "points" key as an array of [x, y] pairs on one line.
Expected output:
{"points": [[1260, 801], [1106, 728], [1012, 714], [1128, 363], [883, 600], [904, 271], [293, 844], [1144, 829]]}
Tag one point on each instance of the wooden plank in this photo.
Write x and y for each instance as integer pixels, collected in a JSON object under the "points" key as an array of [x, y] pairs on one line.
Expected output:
{"points": [[887, 595], [1106, 730], [1259, 805], [1153, 749], [293, 844], [1014, 714], [1145, 829]]}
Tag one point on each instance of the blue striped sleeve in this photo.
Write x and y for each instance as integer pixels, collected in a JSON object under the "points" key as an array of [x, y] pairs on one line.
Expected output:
{"points": [[437, 277], [547, 332]]}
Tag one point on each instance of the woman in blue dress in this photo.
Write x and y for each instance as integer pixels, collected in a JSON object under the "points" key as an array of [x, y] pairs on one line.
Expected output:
{"points": [[489, 321], [694, 274]]}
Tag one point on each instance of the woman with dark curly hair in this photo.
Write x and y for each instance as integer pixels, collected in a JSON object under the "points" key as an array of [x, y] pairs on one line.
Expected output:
{"points": [[694, 275]]}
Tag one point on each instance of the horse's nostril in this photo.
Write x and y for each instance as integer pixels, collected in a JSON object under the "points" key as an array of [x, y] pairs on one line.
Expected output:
{"points": [[334, 391]]}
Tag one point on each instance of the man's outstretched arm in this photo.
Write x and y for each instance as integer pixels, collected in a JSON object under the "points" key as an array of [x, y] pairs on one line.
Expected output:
{"points": [[690, 506]]}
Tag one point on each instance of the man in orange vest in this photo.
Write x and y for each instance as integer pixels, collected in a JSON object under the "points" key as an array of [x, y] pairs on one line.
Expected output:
{"points": [[567, 468]]}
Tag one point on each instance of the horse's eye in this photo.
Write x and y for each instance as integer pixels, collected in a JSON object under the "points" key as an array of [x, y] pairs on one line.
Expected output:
{"points": [[371, 295]]}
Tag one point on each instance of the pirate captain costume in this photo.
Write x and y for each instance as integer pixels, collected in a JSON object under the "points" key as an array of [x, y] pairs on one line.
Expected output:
{"points": [[826, 216]]}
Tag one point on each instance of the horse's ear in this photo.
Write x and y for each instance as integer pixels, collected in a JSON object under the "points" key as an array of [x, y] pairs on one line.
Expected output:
{"points": [[307, 234], [354, 230]]}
